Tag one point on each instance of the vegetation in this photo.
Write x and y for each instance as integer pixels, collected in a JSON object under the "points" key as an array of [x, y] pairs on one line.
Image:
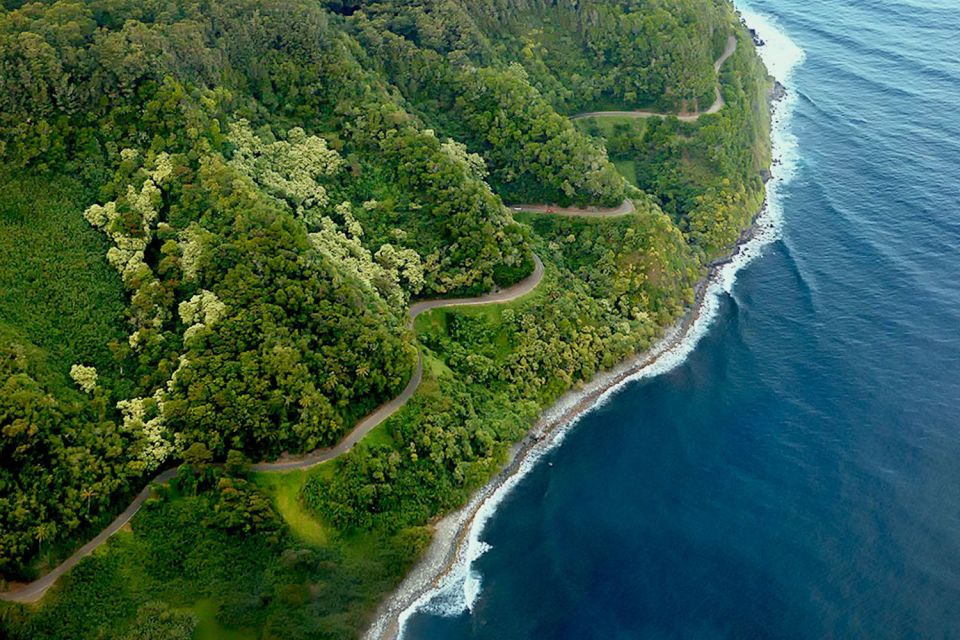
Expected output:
{"points": [[534, 154], [705, 174], [606, 296], [58, 291], [213, 217], [580, 56], [192, 569]]}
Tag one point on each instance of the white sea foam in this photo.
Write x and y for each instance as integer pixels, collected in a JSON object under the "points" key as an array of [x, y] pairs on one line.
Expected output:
{"points": [[457, 591]]}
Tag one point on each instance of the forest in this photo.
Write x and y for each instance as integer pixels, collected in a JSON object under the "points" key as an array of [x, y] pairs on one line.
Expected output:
{"points": [[213, 219]]}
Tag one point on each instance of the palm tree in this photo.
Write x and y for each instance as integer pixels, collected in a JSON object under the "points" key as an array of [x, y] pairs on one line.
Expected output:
{"points": [[87, 493], [45, 532]]}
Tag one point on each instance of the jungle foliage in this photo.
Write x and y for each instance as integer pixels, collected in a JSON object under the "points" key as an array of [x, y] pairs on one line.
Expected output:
{"points": [[213, 218], [706, 174], [198, 566]]}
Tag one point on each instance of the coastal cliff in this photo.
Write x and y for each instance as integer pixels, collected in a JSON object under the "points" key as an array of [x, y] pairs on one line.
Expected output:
{"points": [[259, 194]]}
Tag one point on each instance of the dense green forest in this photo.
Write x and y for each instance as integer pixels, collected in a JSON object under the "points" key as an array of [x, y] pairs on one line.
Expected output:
{"points": [[708, 175], [213, 218]]}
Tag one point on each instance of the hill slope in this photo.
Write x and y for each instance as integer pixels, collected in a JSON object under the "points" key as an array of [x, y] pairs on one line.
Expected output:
{"points": [[217, 215]]}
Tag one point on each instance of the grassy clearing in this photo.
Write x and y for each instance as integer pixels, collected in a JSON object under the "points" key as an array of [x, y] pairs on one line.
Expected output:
{"points": [[285, 489], [380, 435], [435, 366], [628, 169], [209, 628], [608, 125]]}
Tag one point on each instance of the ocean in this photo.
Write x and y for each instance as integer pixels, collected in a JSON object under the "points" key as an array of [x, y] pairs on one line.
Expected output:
{"points": [[793, 469]]}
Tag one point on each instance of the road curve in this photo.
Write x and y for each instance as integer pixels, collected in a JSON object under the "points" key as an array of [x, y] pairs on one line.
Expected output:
{"points": [[686, 117], [33, 591], [626, 207], [386, 410]]}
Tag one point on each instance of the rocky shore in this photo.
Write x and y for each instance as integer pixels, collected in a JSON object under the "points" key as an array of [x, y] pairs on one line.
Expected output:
{"points": [[446, 551], [449, 547]]}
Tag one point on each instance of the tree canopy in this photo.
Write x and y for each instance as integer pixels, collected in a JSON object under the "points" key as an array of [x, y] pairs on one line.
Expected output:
{"points": [[214, 216]]}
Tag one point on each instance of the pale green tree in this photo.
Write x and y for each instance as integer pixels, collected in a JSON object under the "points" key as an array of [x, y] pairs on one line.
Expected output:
{"points": [[85, 377]]}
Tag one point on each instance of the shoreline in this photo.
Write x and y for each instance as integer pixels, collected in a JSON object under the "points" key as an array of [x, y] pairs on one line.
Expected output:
{"points": [[451, 532], [455, 534]]}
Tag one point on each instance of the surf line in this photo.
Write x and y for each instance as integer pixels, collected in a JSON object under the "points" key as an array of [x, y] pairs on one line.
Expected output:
{"points": [[444, 582]]}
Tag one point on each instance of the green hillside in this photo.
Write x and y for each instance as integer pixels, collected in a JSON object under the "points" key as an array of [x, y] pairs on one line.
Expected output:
{"points": [[214, 217]]}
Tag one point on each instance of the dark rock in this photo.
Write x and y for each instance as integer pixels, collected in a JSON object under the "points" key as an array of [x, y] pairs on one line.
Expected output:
{"points": [[779, 91]]}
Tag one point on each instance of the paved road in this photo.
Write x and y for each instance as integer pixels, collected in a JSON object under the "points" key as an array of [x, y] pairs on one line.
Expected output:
{"points": [[366, 425], [686, 117], [583, 212], [34, 591]]}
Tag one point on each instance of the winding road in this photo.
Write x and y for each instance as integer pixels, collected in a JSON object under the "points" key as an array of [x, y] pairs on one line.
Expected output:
{"points": [[686, 117], [386, 410], [625, 208], [35, 590]]}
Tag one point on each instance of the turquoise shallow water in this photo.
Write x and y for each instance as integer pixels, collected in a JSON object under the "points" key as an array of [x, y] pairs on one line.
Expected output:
{"points": [[798, 475]]}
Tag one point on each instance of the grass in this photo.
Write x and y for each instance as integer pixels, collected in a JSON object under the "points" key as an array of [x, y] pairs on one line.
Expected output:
{"points": [[209, 628], [304, 582], [435, 366], [285, 489], [379, 435], [608, 124], [56, 289], [628, 169]]}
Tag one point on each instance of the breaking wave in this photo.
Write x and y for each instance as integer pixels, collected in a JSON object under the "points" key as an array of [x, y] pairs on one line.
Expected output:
{"points": [[457, 591]]}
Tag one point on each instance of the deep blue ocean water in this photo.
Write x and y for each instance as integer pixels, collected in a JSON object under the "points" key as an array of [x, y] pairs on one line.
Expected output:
{"points": [[798, 475]]}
